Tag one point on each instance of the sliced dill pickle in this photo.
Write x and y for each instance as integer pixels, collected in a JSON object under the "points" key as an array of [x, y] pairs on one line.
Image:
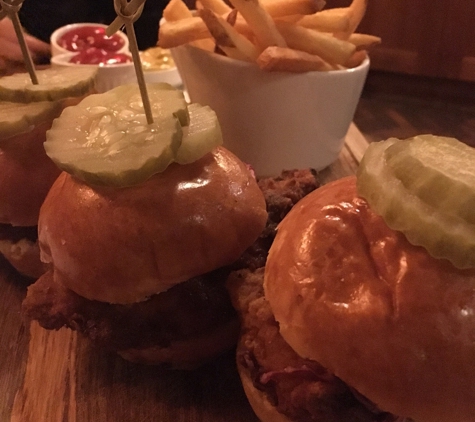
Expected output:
{"points": [[17, 118], [106, 140], [447, 184], [126, 102], [201, 136], [54, 84], [425, 188]]}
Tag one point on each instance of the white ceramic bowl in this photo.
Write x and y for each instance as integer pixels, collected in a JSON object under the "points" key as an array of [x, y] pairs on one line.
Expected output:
{"points": [[274, 120], [108, 76], [169, 76], [56, 35]]}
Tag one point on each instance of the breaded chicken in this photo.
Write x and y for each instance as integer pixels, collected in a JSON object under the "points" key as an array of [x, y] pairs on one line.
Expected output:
{"points": [[301, 389]]}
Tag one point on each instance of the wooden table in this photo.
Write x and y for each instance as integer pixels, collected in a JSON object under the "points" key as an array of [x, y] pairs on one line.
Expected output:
{"points": [[58, 376]]}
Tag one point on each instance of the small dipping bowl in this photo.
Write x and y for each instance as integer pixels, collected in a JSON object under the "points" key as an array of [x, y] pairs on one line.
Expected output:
{"points": [[108, 75], [158, 66], [274, 120], [158, 63], [74, 36]]}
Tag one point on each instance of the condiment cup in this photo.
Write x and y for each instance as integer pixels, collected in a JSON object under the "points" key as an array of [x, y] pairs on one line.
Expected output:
{"points": [[169, 76], [158, 66], [58, 33], [274, 120], [108, 75]]}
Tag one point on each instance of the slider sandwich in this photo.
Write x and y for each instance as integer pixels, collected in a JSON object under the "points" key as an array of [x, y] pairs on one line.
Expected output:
{"points": [[26, 113], [139, 231], [365, 310]]}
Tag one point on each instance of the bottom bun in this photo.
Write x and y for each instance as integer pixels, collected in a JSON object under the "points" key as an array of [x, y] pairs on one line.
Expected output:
{"points": [[24, 256], [188, 354], [261, 406]]}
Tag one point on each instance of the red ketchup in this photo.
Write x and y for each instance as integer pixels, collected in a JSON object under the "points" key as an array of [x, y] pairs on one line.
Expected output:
{"points": [[98, 56], [93, 46], [84, 37]]}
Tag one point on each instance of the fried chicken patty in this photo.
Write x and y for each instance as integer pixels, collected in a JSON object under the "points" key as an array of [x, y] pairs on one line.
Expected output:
{"points": [[281, 194], [300, 388], [185, 311]]}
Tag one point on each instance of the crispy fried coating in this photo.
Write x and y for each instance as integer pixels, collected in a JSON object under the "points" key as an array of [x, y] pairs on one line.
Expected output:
{"points": [[187, 310], [300, 388], [281, 194]]}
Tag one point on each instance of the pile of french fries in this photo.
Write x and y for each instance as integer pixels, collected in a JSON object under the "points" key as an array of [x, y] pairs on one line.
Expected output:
{"points": [[278, 35]]}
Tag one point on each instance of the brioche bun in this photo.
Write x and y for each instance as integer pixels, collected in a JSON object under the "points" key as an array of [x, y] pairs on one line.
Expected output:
{"points": [[124, 245], [384, 316], [26, 176]]}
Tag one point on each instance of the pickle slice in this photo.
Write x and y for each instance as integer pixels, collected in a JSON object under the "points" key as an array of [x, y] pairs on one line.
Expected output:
{"points": [[452, 180], [200, 136], [106, 140], [126, 102], [425, 188], [17, 118], [53, 84]]}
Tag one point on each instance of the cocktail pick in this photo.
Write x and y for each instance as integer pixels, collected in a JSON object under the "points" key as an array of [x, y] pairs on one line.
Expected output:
{"points": [[127, 13], [10, 8]]}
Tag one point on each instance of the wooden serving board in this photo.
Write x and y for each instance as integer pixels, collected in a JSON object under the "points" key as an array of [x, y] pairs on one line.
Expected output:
{"points": [[58, 376]]}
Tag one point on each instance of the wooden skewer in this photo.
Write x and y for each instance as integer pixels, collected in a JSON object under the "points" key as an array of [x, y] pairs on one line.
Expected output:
{"points": [[128, 13], [11, 10], [130, 9], [24, 49], [134, 49]]}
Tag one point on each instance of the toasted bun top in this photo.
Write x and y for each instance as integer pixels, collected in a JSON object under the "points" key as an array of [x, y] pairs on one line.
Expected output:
{"points": [[380, 313], [123, 245], [26, 176]]}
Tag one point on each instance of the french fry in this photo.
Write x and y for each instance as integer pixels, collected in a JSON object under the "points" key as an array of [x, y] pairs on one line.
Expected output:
{"points": [[364, 41], [260, 22], [321, 44], [330, 20], [227, 37], [215, 28], [234, 53], [206, 44], [289, 18], [241, 26], [217, 6], [183, 31], [287, 60], [279, 35], [357, 12], [176, 10], [232, 17], [356, 59], [239, 23], [279, 8]]}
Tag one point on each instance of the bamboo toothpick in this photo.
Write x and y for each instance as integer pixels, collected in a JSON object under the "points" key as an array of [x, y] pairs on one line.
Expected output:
{"points": [[130, 8], [10, 10], [127, 13]]}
